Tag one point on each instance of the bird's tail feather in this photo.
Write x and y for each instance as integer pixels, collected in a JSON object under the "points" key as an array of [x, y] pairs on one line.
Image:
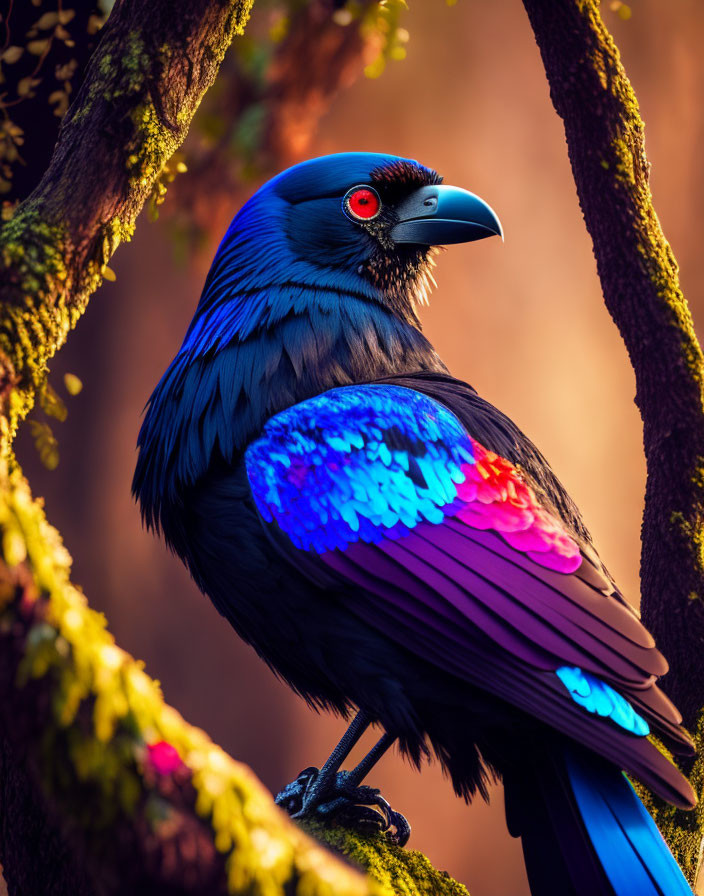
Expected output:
{"points": [[586, 833]]}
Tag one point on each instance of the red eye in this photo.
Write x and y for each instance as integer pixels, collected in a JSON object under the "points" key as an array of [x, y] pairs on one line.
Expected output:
{"points": [[362, 203]]}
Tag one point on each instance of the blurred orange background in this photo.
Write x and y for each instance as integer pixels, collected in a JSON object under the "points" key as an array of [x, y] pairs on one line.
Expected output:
{"points": [[523, 322]]}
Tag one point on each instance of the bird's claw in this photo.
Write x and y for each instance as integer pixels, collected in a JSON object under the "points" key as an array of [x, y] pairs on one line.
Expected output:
{"points": [[355, 805]]}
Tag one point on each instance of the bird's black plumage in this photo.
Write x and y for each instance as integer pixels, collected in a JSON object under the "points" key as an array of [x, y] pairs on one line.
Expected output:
{"points": [[451, 630]]}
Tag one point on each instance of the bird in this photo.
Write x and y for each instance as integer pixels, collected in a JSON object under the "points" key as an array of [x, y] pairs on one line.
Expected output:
{"points": [[391, 544]]}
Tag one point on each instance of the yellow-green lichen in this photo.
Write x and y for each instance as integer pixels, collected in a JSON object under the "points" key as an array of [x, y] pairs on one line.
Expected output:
{"points": [[401, 872], [32, 328], [600, 67], [623, 161], [682, 829], [151, 147]]}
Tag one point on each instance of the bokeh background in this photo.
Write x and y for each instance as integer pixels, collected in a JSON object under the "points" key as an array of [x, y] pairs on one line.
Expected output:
{"points": [[523, 322]]}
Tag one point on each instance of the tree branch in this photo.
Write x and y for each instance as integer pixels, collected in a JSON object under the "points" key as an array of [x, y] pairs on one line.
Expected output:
{"points": [[638, 272], [119, 791]]}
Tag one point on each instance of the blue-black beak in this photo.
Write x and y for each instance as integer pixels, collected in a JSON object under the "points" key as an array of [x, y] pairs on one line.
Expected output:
{"points": [[438, 215]]}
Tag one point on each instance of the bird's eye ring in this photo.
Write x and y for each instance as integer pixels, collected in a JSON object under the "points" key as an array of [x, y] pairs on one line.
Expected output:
{"points": [[361, 203]]}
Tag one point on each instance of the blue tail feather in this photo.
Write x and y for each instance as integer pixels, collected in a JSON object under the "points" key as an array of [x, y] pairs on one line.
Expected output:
{"points": [[584, 830], [632, 852]]}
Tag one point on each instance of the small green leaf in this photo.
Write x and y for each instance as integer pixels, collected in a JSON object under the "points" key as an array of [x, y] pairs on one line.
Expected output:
{"points": [[48, 20], [37, 47], [45, 443], [52, 404], [72, 383], [12, 54]]}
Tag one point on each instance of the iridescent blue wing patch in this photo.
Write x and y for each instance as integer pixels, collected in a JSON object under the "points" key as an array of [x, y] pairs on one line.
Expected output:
{"points": [[358, 463], [601, 699]]}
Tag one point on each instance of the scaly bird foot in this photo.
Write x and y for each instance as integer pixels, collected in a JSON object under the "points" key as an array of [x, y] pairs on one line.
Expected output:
{"points": [[358, 806]]}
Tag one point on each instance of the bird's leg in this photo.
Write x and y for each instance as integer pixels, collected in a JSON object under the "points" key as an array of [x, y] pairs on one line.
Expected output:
{"points": [[360, 771], [302, 796], [364, 807], [333, 793], [325, 778]]}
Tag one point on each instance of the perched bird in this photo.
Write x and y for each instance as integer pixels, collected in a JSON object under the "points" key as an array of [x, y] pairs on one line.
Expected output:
{"points": [[388, 541]]}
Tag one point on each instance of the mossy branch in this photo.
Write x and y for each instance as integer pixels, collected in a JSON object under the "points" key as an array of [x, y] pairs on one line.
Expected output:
{"points": [[605, 139], [681, 829]]}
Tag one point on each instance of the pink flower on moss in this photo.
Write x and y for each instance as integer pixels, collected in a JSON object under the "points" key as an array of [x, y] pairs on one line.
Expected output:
{"points": [[164, 757]]}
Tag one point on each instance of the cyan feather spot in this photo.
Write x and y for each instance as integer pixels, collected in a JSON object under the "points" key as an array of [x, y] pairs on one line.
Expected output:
{"points": [[358, 463], [600, 698]]}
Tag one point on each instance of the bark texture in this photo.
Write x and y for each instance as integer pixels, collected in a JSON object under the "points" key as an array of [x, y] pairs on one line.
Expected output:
{"points": [[605, 139]]}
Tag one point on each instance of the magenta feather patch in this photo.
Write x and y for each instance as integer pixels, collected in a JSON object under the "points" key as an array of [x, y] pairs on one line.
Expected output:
{"points": [[498, 498]]}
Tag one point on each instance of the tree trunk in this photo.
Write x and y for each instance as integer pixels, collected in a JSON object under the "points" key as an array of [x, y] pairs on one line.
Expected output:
{"points": [[638, 272]]}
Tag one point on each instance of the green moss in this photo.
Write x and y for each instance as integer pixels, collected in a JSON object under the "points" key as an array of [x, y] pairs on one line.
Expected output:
{"points": [[629, 164], [690, 532], [623, 162], [628, 161], [122, 69], [135, 62], [399, 871], [32, 329], [682, 829]]}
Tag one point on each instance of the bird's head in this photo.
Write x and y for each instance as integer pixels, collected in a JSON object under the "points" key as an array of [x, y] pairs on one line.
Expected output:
{"points": [[359, 224], [315, 285]]}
